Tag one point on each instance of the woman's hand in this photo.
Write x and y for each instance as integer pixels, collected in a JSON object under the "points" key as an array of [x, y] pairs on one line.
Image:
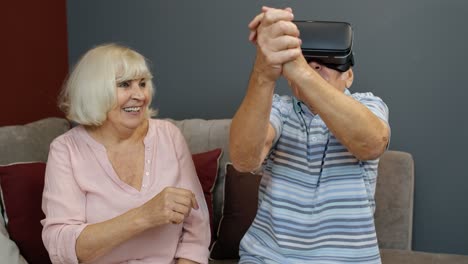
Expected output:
{"points": [[172, 205], [185, 261]]}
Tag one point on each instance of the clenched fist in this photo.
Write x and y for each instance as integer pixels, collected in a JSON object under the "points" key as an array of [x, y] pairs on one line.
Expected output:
{"points": [[277, 40], [171, 205]]}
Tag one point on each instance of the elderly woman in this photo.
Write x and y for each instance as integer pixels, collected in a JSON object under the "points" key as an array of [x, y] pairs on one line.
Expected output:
{"points": [[120, 187]]}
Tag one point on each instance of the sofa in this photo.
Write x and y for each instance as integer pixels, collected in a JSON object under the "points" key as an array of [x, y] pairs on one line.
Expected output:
{"points": [[233, 209]]}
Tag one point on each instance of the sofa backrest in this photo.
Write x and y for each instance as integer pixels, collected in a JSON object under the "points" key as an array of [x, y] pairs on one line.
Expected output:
{"points": [[30, 142]]}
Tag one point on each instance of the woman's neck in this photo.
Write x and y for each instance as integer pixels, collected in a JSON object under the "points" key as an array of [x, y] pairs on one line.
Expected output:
{"points": [[113, 136]]}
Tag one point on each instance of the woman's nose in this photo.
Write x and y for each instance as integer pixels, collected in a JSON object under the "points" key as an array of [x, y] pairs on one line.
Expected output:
{"points": [[137, 93]]}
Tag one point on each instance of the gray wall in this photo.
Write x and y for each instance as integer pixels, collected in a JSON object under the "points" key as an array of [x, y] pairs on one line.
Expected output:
{"points": [[413, 54]]}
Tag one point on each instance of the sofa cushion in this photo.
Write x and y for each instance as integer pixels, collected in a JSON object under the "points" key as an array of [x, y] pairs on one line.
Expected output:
{"points": [[22, 185], [25, 143], [206, 165], [223, 261], [240, 208]]}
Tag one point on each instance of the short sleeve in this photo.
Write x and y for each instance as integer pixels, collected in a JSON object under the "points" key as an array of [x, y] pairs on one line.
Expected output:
{"points": [[373, 103], [280, 111], [376, 105]]}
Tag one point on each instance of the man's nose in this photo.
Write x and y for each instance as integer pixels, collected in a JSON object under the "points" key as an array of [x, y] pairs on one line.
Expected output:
{"points": [[315, 65]]}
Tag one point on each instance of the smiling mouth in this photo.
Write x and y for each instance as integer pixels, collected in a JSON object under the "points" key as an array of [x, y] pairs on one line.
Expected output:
{"points": [[132, 109]]}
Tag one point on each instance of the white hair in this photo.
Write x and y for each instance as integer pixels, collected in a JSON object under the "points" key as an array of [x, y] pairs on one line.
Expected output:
{"points": [[90, 91]]}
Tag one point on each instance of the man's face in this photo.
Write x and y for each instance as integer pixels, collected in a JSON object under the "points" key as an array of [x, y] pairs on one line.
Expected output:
{"points": [[339, 80]]}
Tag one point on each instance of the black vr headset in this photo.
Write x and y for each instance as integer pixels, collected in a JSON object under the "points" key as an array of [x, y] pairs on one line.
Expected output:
{"points": [[327, 43]]}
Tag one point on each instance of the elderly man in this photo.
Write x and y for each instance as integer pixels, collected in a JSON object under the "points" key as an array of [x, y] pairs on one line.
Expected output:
{"points": [[318, 150]]}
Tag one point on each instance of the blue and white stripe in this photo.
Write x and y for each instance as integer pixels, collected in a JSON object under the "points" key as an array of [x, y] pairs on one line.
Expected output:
{"points": [[316, 200]]}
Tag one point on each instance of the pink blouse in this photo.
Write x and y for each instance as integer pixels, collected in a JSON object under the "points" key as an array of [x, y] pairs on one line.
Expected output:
{"points": [[81, 188]]}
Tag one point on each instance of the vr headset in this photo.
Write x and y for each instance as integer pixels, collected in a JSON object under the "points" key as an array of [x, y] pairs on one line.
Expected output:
{"points": [[327, 43]]}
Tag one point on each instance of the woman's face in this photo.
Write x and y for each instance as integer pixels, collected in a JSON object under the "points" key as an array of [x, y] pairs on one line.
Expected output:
{"points": [[133, 97]]}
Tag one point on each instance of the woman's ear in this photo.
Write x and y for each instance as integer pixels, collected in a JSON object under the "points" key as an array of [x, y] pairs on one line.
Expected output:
{"points": [[348, 77]]}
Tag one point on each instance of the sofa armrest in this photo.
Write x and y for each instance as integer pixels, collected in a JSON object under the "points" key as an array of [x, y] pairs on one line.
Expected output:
{"points": [[394, 200], [396, 256]]}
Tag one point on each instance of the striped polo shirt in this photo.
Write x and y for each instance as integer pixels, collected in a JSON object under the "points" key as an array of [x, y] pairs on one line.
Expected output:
{"points": [[316, 200]]}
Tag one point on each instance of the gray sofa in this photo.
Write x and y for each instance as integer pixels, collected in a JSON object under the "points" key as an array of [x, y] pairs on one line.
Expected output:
{"points": [[394, 194]]}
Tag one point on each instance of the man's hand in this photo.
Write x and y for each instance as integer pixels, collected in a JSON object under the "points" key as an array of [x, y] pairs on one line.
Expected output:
{"points": [[295, 70], [277, 41]]}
